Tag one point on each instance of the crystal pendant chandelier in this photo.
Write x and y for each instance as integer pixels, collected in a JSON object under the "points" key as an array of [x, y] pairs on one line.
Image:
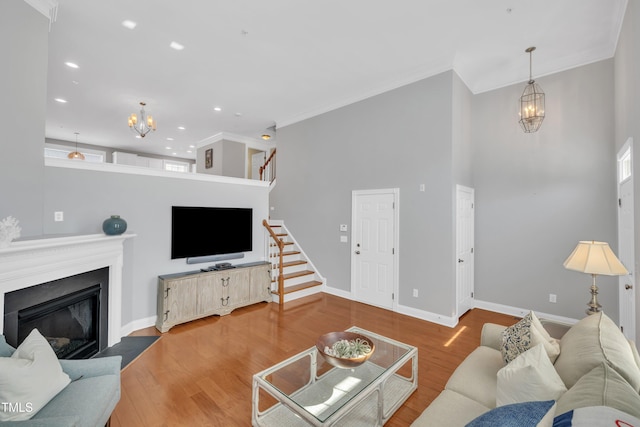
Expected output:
{"points": [[143, 124], [76, 155], [531, 103]]}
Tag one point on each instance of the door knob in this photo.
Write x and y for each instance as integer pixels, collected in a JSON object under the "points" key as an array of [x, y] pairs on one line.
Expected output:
{"points": [[460, 260], [627, 287], [357, 252]]}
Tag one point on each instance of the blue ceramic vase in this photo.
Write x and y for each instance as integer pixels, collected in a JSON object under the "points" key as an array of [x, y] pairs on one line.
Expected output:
{"points": [[114, 225]]}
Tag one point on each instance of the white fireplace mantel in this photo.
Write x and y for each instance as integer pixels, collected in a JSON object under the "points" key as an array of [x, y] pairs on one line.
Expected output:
{"points": [[32, 262]]}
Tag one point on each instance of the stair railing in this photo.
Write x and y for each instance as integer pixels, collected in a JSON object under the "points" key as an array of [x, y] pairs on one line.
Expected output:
{"points": [[280, 244], [268, 169]]}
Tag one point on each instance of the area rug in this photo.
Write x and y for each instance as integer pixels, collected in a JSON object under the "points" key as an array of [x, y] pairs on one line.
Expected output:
{"points": [[130, 348]]}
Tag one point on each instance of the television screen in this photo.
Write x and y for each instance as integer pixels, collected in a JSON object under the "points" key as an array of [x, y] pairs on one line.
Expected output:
{"points": [[203, 231]]}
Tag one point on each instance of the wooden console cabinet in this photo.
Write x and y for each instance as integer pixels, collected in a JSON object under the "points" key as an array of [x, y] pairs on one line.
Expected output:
{"points": [[188, 296]]}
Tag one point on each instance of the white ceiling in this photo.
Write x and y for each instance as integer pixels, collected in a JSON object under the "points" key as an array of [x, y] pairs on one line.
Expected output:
{"points": [[280, 61]]}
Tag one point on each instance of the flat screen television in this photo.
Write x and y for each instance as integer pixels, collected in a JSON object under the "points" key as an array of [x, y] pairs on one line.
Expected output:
{"points": [[205, 231]]}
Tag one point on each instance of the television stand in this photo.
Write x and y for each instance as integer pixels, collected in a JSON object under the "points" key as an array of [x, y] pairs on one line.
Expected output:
{"points": [[183, 297]]}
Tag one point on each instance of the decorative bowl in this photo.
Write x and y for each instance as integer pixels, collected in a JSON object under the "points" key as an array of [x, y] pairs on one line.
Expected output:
{"points": [[327, 340]]}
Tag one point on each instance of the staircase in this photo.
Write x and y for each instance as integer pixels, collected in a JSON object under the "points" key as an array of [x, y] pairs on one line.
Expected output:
{"points": [[293, 276]]}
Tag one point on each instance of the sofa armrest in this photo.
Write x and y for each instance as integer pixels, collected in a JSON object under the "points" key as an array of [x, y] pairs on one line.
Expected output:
{"points": [[492, 335], [87, 368], [69, 421]]}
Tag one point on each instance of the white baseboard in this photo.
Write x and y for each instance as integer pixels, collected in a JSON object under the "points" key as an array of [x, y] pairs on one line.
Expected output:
{"points": [[448, 321], [521, 312], [337, 292], [137, 325]]}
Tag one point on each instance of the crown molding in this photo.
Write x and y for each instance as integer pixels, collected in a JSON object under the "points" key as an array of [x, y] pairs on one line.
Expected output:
{"points": [[49, 8]]}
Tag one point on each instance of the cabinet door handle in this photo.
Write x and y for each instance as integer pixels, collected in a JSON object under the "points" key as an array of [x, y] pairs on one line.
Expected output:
{"points": [[166, 315], [166, 293], [223, 301]]}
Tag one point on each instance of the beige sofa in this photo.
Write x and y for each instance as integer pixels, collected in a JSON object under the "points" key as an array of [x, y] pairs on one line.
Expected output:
{"points": [[598, 366]]}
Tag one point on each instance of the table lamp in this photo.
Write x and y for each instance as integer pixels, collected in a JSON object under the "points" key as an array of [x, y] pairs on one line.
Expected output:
{"points": [[594, 258]]}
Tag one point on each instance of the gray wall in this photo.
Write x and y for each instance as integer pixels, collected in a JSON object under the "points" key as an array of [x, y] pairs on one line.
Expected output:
{"points": [[23, 84], [228, 159], [627, 112], [400, 138], [538, 194], [89, 197]]}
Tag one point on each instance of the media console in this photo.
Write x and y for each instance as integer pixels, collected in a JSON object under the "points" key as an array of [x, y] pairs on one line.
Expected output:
{"points": [[183, 297]]}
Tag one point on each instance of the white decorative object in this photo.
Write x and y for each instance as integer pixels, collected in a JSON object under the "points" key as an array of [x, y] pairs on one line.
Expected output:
{"points": [[9, 230]]}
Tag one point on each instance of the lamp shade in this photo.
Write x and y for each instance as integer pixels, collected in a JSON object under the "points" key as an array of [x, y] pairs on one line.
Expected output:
{"points": [[595, 258]]}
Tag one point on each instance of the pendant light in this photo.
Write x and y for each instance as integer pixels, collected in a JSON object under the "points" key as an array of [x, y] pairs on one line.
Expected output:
{"points": [[531, 102], [76, 155], [143, 124]]}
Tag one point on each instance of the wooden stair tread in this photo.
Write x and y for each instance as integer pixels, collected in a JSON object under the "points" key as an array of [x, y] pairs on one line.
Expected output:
{"points": [[292, 263], [296, 274], [287, 253], [285, 243], [299, 287]]}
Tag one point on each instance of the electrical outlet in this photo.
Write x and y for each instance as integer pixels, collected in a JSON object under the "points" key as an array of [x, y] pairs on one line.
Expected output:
{"points": [[552, 298], [58, 216], [415, 293]]}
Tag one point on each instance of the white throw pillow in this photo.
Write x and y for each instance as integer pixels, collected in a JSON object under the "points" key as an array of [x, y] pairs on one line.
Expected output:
{"points": [[526, 334], [529, 377], [29, 379]]}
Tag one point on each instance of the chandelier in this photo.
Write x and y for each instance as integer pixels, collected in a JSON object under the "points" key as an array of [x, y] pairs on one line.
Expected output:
{"points": [[531, 103], [76, 155], [142, 125]]}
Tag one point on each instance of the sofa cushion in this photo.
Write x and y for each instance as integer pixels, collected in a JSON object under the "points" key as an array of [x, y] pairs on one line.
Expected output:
{"points": [[92, 400], [30, 378], [476, 376], [530, 377], [591, 341], [526, 414], [526, 334], [602, 386], [449, 409]]}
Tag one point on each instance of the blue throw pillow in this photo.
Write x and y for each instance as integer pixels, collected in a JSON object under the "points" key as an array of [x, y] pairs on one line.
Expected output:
{"points": [[515, 415]]}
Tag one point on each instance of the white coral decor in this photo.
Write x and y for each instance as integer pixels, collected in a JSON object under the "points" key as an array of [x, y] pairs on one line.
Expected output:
{"points": [[9, 230]]}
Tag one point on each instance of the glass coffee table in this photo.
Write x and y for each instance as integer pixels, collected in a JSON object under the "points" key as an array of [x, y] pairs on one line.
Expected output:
{"points": [[306, 390]]}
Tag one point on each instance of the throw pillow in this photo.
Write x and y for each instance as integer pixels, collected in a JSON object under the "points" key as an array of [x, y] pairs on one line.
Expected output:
{"points": [[602, 386], [595, 416], [29, 379], [529, 377], [591, 341], [527, 414], [526, 334]]}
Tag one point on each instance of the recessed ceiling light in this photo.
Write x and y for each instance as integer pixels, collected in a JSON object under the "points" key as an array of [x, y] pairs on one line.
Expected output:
{"points": [[189, 151], [138, 136], [169, 139], [71, 65], [176, 46], [129, 24], [217, 109], [60, 100], [238, 114], [168, 148], [192, 146], [181, 127], [175, 154], [75, 82]]}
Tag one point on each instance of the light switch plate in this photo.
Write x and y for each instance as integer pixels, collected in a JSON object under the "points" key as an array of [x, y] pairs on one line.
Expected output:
{"points": [[343, 239], [343, 227]]}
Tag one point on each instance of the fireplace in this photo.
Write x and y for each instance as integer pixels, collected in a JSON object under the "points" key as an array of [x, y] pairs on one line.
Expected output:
{"points": [[71, 313], [31, 262]]}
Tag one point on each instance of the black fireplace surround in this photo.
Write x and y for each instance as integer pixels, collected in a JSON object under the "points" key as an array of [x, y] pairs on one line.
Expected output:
{"points": [[71, 313]]}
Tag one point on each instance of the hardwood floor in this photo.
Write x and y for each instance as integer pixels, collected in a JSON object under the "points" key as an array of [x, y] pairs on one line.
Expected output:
{"points": [[199, 373]]}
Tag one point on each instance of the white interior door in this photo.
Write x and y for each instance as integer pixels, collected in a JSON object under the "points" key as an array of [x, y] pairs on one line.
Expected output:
{"points": [[626, 249], [374, 247], [257, 160], [465, 223]]}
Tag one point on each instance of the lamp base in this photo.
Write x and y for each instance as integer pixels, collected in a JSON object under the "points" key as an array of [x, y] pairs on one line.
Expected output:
{"points": [[594, 306]]}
